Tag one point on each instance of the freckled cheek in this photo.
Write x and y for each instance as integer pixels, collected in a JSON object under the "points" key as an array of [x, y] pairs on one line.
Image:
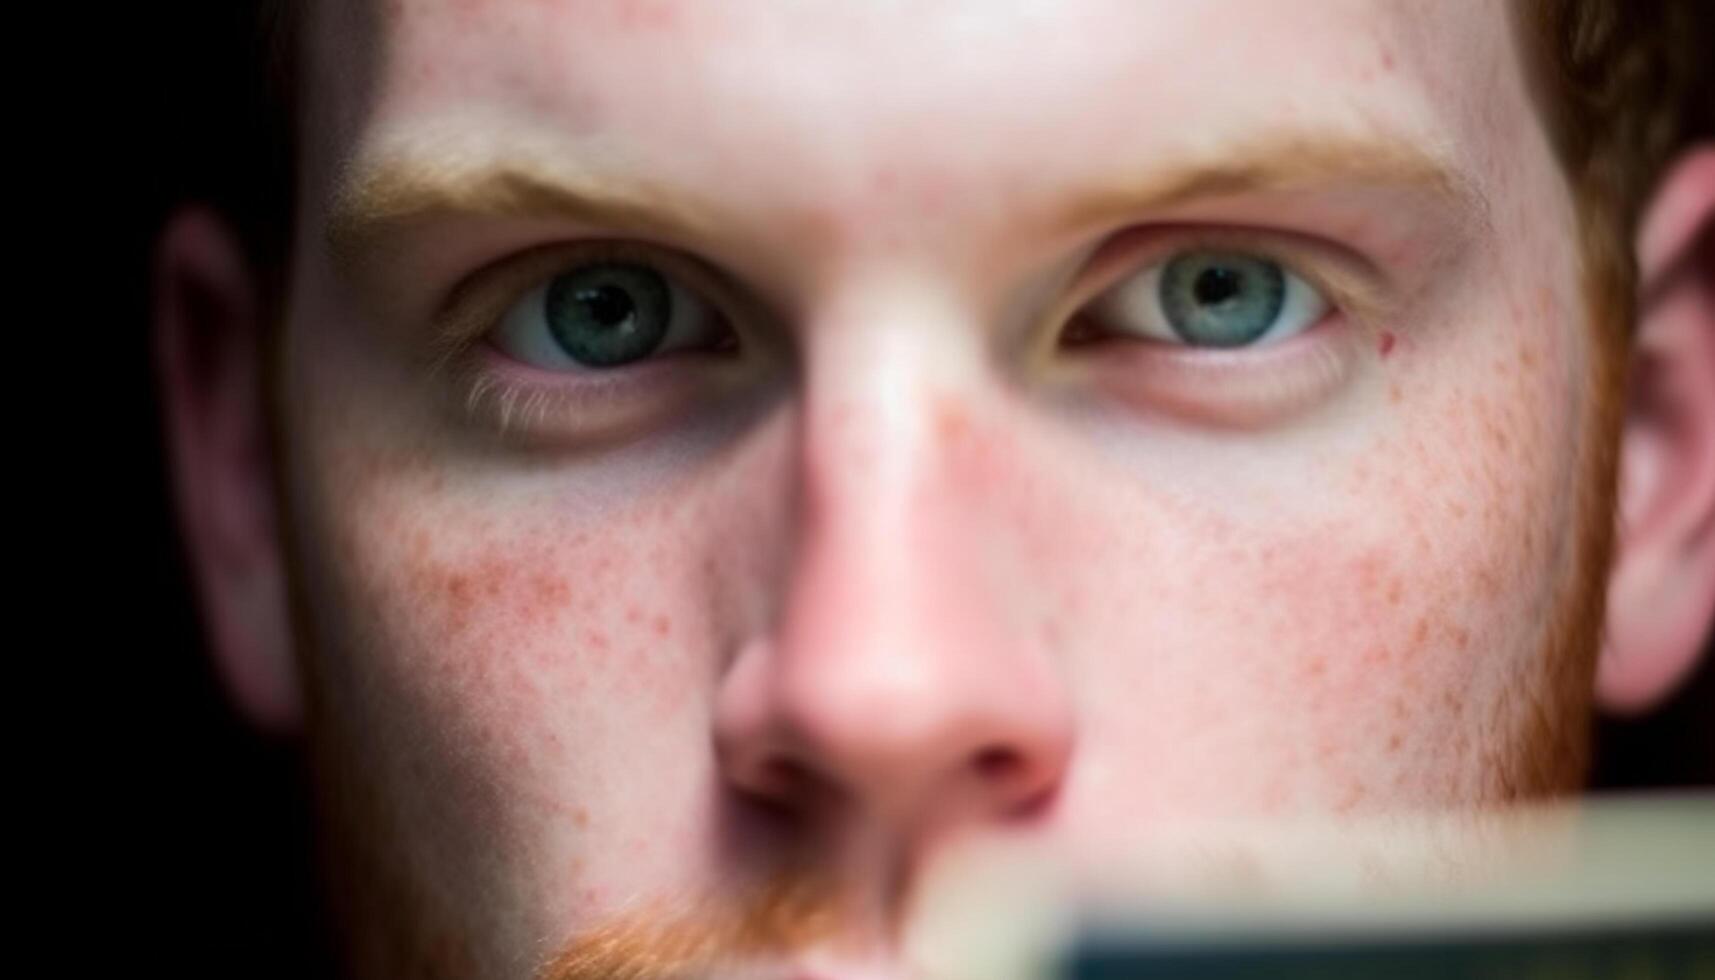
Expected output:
{"points": [[1334, 665], [511, 650]]}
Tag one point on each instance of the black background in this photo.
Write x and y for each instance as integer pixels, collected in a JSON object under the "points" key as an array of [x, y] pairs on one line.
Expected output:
{"points": [[202, 825]]}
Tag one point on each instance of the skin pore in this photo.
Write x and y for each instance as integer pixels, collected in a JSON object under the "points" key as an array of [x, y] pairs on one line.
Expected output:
{"points": [[912, 537]]}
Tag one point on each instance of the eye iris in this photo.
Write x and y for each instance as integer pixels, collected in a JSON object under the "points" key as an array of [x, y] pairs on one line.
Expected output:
{"points": [[609, 314], [1214, 299]]}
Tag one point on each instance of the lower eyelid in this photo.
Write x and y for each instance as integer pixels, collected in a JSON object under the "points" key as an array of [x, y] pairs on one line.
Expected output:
{"points": [[1242, 388], [523, 403]]}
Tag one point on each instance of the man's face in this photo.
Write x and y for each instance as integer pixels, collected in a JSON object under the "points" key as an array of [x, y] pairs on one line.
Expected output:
{"points": [[730, 438]]}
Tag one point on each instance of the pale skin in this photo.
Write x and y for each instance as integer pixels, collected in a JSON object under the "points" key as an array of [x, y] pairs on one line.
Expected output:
{"points": [[908, 558]]}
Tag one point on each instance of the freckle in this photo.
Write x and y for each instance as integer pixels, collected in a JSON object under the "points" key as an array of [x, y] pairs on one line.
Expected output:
{"points": [[663, 626], [552, 590], [1386, 343], [950, 422], [1353, 795], [1360, 475], [458, 590], [581, 817], [1369, 568], [1395, 591], [1420, 632], [1394, 742], [1394, 395], [1315, 667]]}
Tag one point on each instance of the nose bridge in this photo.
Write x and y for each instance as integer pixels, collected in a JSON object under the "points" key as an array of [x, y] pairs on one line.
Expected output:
{"points": [[891, 674], [866, 451], [877, 544]]}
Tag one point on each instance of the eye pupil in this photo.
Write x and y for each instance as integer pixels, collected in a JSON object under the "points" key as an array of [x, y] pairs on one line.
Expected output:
{"points": [[1217, 299], [608, 306], [1216, 285], [608, 314]]}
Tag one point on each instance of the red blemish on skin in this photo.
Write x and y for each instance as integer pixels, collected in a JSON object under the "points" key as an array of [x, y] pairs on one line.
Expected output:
{"points": [[1353, 794], [1398, 706], [459, 599], [553, 591], [1386, 344], [1369, 567], [663, 626], [951, 423], [1420, 633]]}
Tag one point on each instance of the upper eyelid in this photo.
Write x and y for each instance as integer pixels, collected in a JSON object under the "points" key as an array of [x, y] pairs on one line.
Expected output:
{"points": [[476, 303], [1348, 280]]}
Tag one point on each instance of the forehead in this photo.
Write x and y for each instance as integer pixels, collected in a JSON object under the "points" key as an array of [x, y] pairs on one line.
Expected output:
{"points": [[814, 99]]}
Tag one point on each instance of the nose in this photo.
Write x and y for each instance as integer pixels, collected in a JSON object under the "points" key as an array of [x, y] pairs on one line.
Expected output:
{"points": [[901, 682]]}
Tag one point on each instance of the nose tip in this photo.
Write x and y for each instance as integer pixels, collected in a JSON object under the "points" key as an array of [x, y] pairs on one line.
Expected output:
{"points": [[889, 740]]}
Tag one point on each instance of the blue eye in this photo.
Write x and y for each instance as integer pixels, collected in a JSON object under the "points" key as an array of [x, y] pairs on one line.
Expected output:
{"points": [[605, 315], [1214, 299]]}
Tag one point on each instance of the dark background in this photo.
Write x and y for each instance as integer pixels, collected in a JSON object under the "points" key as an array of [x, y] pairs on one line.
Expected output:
{"points": [[208, 822]]}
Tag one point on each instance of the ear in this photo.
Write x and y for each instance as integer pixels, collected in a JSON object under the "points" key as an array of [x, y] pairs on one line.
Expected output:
{"points": [[208, 339], [1661, 596]]}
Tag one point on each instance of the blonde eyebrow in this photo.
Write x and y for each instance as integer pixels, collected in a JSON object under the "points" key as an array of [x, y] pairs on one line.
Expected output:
{"points": [[1286, 163], [393, 190], [426, 178]]}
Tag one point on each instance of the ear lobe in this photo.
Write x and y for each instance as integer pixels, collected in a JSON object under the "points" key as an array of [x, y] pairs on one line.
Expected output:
{"points": [[1661, 597], [207, 341]]}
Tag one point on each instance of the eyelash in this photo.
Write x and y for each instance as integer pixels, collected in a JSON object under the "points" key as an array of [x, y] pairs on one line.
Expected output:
{"points": [[1338, 275], [519, 399]]}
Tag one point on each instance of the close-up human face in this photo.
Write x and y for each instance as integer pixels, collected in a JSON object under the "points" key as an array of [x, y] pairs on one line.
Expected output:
{"points": [[757, 449]]}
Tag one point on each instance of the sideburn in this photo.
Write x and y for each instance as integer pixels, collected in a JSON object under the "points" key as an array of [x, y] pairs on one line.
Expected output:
{"points": [[1555, 749]]}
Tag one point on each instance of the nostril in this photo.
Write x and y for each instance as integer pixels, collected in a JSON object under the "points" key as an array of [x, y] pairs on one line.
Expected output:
{"points": [[999, 764], [785, 779], [1020, 790]]}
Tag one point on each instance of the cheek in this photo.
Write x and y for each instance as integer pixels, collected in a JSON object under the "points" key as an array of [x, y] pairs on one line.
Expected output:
{"points": [[513, 662], [1388, 638]]}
